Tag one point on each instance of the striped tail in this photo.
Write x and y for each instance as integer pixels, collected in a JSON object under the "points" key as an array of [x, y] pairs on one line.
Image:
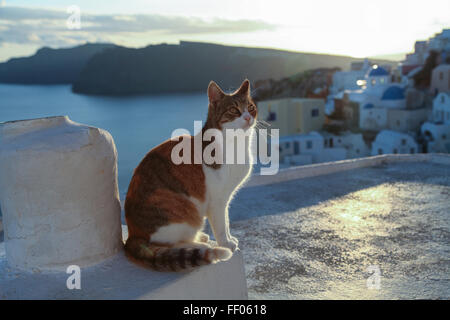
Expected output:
{"points": [[161, 258]]}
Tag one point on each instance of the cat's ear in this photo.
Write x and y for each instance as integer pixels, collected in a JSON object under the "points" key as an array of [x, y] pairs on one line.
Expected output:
{"points": [[244, 90], [214, 93]]}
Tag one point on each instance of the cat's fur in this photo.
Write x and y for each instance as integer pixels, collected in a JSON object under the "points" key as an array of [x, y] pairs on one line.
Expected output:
{"points": [[166, 204]]}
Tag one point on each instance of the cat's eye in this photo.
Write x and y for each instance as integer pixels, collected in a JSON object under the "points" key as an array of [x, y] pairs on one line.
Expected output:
{"points": [[235, 110], [250, 108]]}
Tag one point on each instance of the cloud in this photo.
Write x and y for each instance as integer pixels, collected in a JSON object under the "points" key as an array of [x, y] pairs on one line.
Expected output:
{"points": [[48, 27]]}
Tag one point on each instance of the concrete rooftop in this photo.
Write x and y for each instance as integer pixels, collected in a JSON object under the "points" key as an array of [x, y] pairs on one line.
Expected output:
{"points": [[312, 232], [314, 238]]}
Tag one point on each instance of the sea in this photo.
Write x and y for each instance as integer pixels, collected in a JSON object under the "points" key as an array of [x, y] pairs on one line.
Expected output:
{"points": [[137, 123]]}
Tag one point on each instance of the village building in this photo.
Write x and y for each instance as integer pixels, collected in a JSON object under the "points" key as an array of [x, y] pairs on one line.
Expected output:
{"points": [[372, 118], [436, 133], [440, 41], [440, 79], [301, 149], [377, 76], [406, 120], [441, 108], [344, 114], [415, 59], [293, 115], [350, 80], [353, 143], [393, 142], [403, 120], [315, 147], [377, 88]]}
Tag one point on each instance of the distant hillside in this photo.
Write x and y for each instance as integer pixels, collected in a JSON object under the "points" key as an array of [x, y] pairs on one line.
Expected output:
{"points": [[190, 66], [392, 57], [307, 84], [49, 66]]}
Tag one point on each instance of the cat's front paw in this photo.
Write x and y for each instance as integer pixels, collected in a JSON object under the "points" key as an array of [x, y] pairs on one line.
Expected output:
{"points": [[231, 244], [235, 240]]}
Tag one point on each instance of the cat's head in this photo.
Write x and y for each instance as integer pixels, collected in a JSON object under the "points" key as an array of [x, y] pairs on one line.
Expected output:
{"points": [[231, 111]]}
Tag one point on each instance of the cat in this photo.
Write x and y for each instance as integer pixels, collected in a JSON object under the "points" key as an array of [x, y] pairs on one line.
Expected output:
{"points": [[167, 204]]}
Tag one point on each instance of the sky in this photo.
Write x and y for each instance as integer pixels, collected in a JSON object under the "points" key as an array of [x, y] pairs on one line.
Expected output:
{"points": [[359, 28]]}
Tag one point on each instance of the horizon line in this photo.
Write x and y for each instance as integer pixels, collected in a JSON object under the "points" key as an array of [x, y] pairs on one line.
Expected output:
{"points": [[377, 57]]}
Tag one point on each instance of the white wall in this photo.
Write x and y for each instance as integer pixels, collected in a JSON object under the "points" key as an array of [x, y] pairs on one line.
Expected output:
{"points": [[391, 142], [373, 118], [439, 141], [441, 108]]}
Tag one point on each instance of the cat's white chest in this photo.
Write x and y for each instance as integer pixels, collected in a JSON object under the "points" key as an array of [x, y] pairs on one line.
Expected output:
{"points": [[221, 182]]}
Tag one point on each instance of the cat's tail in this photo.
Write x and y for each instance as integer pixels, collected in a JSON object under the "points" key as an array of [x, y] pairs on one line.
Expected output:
{"points": [[162, 258]]}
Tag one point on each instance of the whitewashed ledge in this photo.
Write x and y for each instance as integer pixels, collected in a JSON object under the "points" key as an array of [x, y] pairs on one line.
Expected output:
{"points": [[319, 169], [61, 207], [117, 278]]}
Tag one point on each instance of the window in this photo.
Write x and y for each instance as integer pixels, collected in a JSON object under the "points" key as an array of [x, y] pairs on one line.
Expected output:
{"points": [[441, 76], [296, 147], [357, 151], [398, 123], [382, 80], [412, 150], [309, 144], [403, 142], [395, 151], [444, 136], [272, 116], [380, 151], [314, 112], [288, 145], [373, 81]]}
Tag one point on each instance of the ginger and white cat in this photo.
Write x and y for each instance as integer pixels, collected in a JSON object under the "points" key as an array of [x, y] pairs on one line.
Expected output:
{"points": [[167, 204]]}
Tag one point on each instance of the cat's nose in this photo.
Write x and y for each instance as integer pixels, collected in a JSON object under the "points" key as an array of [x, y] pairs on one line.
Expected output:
{"points": [[247, 118]]}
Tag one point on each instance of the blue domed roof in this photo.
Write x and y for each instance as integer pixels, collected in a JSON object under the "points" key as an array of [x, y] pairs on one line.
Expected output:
{"points": [[378, 71], [393, 93], [368, 106]]}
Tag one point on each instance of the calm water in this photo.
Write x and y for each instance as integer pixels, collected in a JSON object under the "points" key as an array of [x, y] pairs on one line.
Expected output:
{"points": [[136, 123]]}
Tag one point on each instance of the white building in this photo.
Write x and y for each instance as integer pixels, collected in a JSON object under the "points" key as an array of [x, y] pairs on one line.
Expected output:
{"points": [[441, 41], [378, 89], [437, 133], [437, 137], [300, 149], [440, 79], [353, 143], [393, 142], [403, 120], [406, 120], [372, 118], [441, 108], [383, 104], [377, 76], [419, 56], [349, 80]]}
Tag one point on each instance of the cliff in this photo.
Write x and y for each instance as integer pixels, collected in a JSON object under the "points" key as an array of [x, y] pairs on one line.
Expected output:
{"points": [[190, 66], [50, 66]]}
